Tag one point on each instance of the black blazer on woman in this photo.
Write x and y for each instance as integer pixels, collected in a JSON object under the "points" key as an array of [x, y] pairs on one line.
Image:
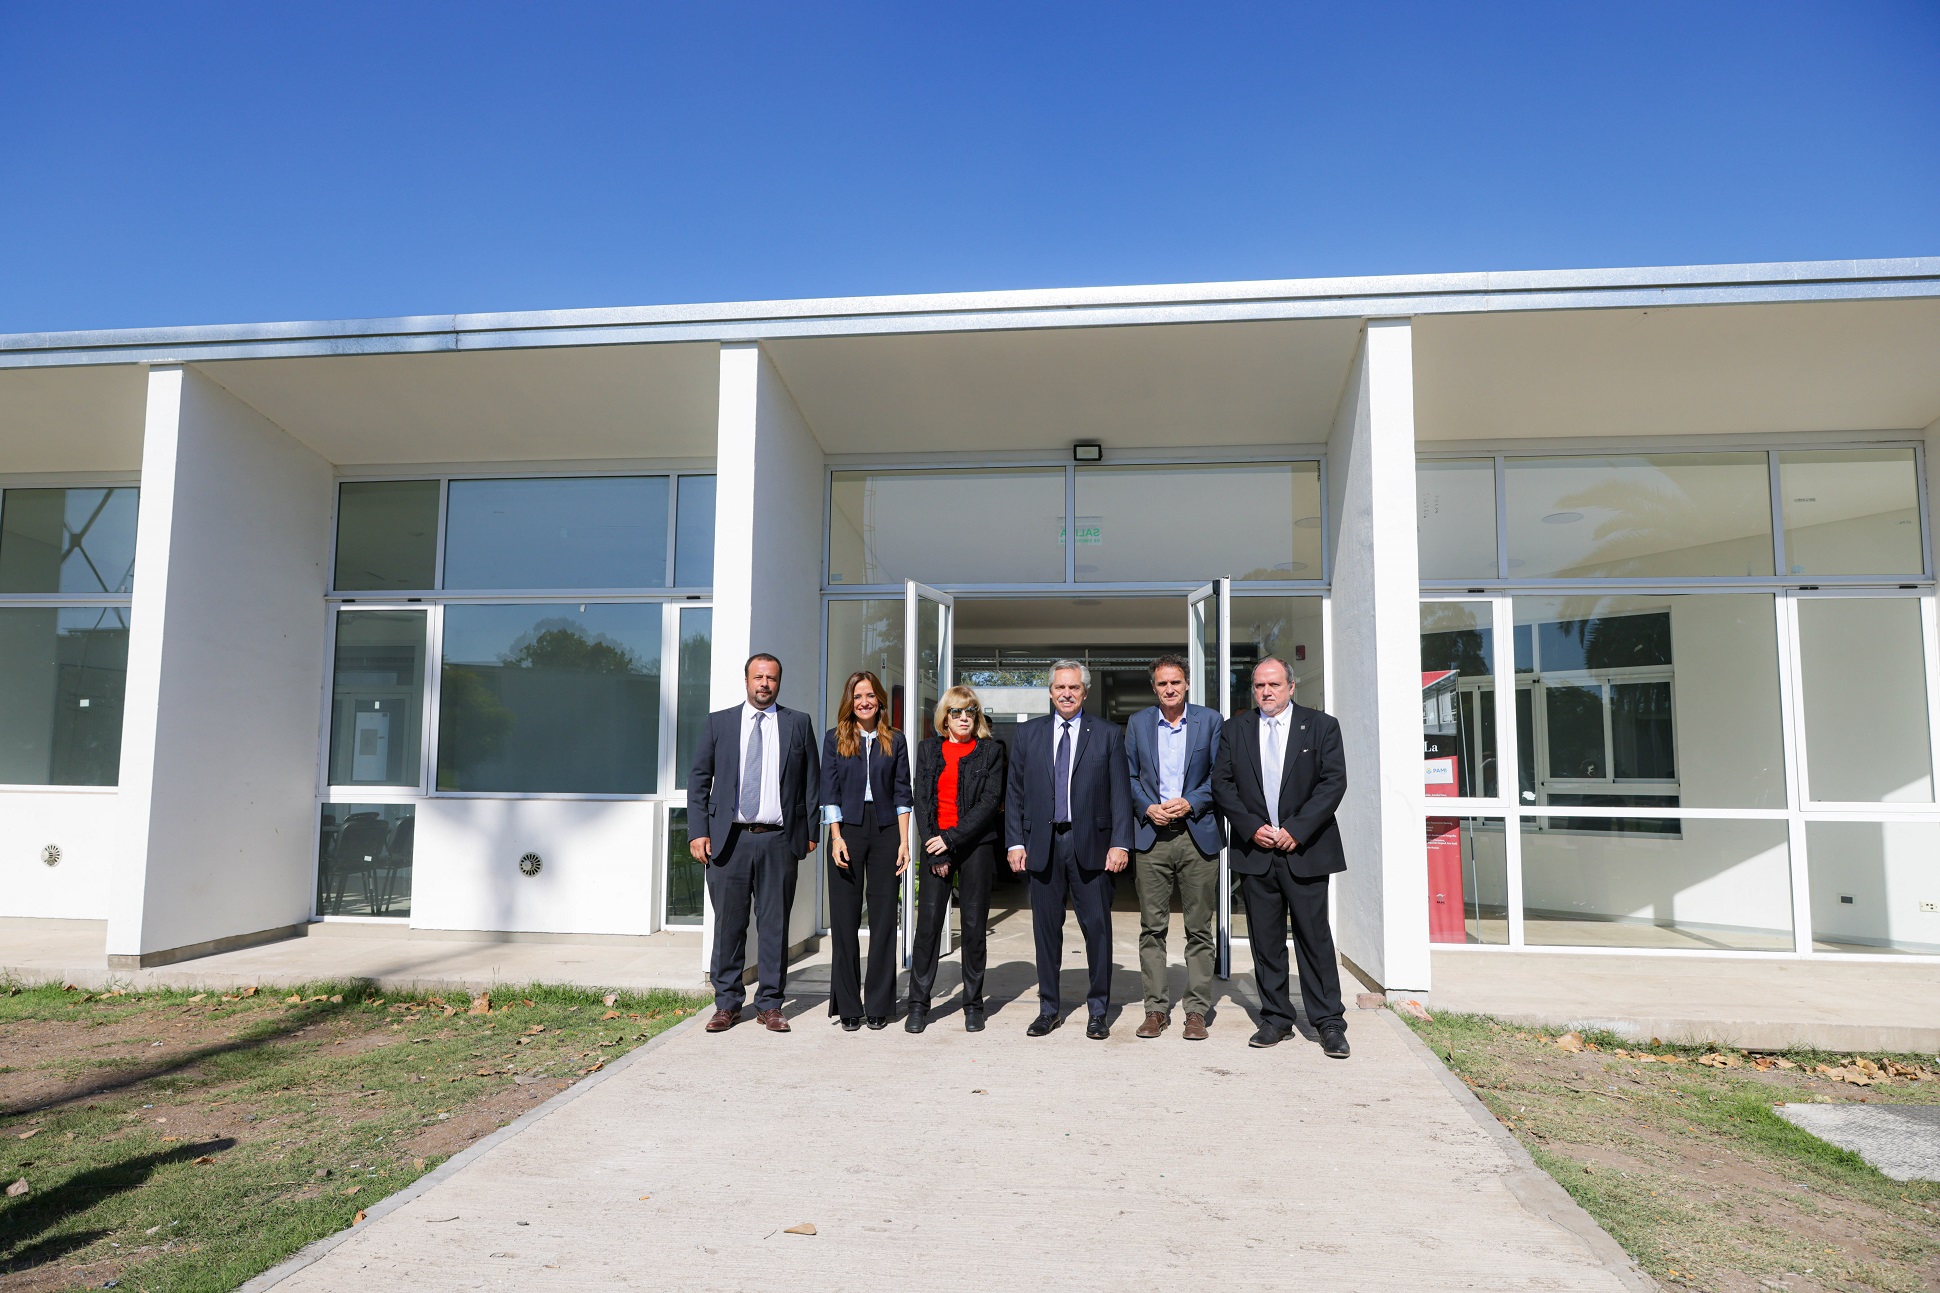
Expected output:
{"points": [[888, 774], [980, 794]]}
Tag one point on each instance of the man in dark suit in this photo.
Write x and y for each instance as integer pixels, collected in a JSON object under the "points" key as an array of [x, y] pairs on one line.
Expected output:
{"points": [[1068, 821], [1170, 749], [755, 778], [1279, 778]]}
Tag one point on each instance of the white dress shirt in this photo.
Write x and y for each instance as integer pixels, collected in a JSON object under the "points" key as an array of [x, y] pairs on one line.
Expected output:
{"points": [[770, 814], [1273, 759]]}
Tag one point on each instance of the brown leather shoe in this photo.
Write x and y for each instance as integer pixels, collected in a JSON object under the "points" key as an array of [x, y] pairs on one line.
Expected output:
{"points": [[1156, 1022], [1195, 1030], [723, 1020], [772, 1021]]}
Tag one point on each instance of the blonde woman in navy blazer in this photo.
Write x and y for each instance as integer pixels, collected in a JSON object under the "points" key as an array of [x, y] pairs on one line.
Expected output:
{"points": [[866, 803]]}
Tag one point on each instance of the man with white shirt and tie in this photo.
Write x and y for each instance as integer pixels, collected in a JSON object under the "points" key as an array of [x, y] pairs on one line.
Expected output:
{"points": [[1068, 821], [1279, 778], [748, 803]]}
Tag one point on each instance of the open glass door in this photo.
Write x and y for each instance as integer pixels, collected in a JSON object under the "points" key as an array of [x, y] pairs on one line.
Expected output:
{"points": [[928, 624], [1209, 645]]}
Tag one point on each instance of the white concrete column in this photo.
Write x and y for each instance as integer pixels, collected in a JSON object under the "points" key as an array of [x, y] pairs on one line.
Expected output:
{"points": [[225, 669], [767, 560], [1382, 902], [1932, 436]]}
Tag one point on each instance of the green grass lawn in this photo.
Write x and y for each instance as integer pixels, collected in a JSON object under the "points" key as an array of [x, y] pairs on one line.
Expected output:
{"points": [[177, 1141], [1688, 1167]]}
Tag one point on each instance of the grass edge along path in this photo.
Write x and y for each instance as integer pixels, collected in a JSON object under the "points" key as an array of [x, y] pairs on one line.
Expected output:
{"points": [[1677, 1153], [189, 1141]]}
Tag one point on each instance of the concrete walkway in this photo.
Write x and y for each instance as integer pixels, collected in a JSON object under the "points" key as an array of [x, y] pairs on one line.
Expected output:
{"points": [[987, 1161]]}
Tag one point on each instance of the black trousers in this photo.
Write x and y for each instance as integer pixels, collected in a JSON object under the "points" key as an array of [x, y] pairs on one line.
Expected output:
{"points": [[872, 845], [755, 871], [972, 869], [1089, 893], [1273, 901]]}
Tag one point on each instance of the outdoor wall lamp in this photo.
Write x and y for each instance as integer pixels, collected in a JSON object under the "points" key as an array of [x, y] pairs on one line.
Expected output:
{"points": [[1088, 452]]}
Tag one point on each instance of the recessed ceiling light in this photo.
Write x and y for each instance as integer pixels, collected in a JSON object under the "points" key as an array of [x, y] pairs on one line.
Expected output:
{"points": [[1562, 518]]}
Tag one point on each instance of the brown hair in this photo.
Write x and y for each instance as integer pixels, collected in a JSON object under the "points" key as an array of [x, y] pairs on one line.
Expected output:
{"points": [[962, 697], [848, 739]]}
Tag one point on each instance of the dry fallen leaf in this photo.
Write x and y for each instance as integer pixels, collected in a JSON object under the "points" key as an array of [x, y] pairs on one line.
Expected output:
{"points": [[293, 1000], [978, 1091], [358, 1218], [611, 1014], [28, 1135], [17, 1189], [249, 992], [481, 1004], [352, 1190], [610, 998], [1571, 1042], [337, 999], [418, 1163], [645, 1197], [806, 1228], [197, 997], [205, 1160]]}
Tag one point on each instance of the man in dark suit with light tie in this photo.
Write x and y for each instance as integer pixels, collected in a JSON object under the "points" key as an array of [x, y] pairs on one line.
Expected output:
{"points": [[1068, 821], [1170, 749], [755, 777], [1279, 778]]}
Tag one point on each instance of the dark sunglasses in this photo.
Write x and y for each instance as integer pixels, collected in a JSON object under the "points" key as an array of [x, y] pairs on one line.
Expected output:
{"points": [[955, 712]]}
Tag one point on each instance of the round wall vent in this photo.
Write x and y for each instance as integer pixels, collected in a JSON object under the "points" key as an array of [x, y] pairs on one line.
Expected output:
{"points": [[531, 864], [51, 854]]}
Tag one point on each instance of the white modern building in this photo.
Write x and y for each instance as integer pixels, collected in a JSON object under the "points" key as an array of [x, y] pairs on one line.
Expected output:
{"points": [[1620, 582]]}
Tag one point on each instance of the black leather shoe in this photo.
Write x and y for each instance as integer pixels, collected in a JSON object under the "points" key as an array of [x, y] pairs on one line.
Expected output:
{"points": [[1096, 1029], [1269, 1036], [851, 1022], [1333, 1044], [878, 1022], [1042, 1025], [973, 1019], [917, 1020]]}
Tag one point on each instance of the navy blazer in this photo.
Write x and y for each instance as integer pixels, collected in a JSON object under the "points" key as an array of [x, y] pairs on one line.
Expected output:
{"points": [[888, 776], [1313, 779], [1142, 756], [714, 785], [1101, 792]]}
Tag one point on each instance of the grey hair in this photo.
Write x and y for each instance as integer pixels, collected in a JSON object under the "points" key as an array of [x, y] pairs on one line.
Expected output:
{"points": [[1084, 671], [1286, 669]]}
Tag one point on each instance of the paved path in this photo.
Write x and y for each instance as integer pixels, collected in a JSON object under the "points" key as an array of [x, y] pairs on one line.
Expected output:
{"points": [[990, 1161]]}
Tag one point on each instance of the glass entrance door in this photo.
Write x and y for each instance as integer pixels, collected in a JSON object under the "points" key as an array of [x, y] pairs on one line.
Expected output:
{"points": [[1209, 644], [928, 624]]}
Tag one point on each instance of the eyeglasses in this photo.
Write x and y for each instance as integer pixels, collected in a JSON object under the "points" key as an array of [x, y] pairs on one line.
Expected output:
{"points": [[957, 713]]}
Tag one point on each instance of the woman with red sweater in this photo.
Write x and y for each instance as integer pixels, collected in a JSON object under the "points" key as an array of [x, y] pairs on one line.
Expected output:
{"points": [[959, 815]]}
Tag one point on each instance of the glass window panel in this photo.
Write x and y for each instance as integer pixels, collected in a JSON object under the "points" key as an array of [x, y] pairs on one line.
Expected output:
{"points": [[1875, 886], [694, 533], [686, 880], [1287, 627], [1667, 884], [377, 698], [63, 679], [695, 682], [1635, 515], [67, 540], [578, 532], [1120, 541], [1851, 512], [1676, 692], [1468, 880], [1458, 699], [869, 635], [1863, 669], [387, 535], [1455, 518], [364, 854], [968, 525], [550, 699]]}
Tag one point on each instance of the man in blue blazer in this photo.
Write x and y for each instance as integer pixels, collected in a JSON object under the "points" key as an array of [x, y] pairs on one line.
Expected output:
{"points": [[1170, 750], [750, 803], [1068, 821]]}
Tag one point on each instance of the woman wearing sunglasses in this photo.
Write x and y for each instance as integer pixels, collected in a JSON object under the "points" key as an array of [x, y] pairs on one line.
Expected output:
{"points": [[959, 815], [865, 801]]}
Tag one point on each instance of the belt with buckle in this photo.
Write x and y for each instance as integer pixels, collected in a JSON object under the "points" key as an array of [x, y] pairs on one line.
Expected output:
{"points": [[756, 828], [1060, 827]]}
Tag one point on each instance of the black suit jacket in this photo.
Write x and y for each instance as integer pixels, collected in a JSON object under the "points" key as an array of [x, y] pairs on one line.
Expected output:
{"points": [[980, 794], [887, 778], [1312, 781], [1101, 792], [714, 785]]}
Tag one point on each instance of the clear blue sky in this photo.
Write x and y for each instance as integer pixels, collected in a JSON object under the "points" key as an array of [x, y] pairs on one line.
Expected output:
{"points": [[202, 163]]}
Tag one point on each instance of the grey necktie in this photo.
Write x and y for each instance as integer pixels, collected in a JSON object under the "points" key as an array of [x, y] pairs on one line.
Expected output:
{"points": [[751, 773]]}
